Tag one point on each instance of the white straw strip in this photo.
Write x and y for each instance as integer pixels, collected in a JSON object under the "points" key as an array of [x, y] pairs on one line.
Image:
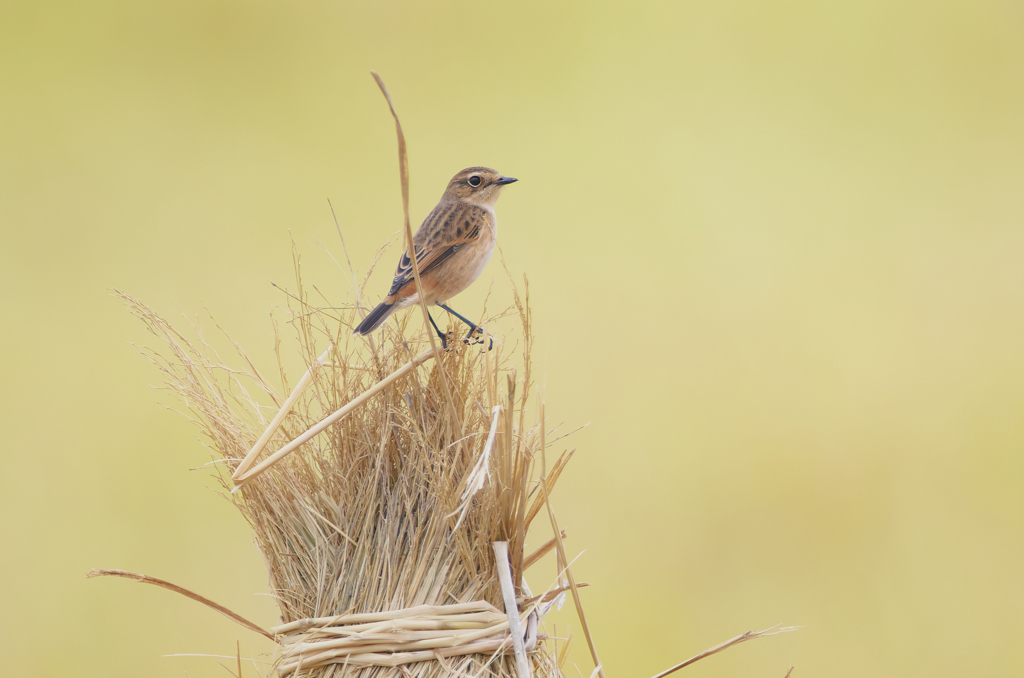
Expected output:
{"points": [[508, 593], [275, 423], [335, 417], [481, 470]]}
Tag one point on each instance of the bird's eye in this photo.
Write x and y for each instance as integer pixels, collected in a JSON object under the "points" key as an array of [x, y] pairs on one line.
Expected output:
{"points": [[475, 181]]}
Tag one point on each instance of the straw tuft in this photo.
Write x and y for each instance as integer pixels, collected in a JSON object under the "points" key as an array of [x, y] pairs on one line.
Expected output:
{"points": [[378, 532]]}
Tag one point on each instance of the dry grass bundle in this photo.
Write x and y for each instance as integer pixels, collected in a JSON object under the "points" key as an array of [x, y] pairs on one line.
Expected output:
{"points": [[378, 533], [393, 508]]}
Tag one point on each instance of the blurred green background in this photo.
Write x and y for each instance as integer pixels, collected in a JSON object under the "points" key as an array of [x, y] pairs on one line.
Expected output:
{"points": [[776, 254]]}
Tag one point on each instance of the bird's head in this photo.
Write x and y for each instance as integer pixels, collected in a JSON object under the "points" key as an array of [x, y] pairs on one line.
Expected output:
{"points": [[478, 186]]}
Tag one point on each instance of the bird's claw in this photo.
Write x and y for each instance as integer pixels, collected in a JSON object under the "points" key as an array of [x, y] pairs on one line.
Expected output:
{"points": [[472, 340]]}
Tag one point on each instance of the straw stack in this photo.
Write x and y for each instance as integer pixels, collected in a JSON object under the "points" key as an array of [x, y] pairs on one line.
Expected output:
{"points": [[378, 532]]}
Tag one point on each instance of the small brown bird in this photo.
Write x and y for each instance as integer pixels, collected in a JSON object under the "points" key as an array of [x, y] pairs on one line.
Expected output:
{"points": [[452, 247]]}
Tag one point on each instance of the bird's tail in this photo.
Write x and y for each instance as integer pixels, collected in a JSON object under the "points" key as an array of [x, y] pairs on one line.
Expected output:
{"points": [[376, 318]]}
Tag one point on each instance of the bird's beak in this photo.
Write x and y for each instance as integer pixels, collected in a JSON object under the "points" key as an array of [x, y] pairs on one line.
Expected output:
{"points": [[505, 180]]}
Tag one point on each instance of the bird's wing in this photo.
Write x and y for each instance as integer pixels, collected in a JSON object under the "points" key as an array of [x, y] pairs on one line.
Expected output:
{"points": [[441, 242]]}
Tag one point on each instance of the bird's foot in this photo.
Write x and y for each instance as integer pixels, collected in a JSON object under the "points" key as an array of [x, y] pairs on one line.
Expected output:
{"points": [[476, 337]]}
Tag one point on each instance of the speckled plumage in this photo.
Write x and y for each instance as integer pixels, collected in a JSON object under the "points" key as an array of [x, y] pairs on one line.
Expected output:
{"points": [[452, 245]]}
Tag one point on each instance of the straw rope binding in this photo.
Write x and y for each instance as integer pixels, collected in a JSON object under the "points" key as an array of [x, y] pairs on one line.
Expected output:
{"points": [[423, 633]]}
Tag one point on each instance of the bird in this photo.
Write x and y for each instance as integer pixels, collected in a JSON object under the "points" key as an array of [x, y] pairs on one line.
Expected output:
{"points": [[453, 245]]}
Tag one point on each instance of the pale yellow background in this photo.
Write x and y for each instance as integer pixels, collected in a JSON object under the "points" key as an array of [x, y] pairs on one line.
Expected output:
{"points": [[777, 255]]}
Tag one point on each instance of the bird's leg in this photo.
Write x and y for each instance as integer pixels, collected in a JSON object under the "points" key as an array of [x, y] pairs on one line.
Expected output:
{"points": [[444, 337], [474, 330]]}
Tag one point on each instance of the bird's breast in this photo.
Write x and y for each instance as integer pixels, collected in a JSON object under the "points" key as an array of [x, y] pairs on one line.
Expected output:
{"points": [[466, 265]]}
